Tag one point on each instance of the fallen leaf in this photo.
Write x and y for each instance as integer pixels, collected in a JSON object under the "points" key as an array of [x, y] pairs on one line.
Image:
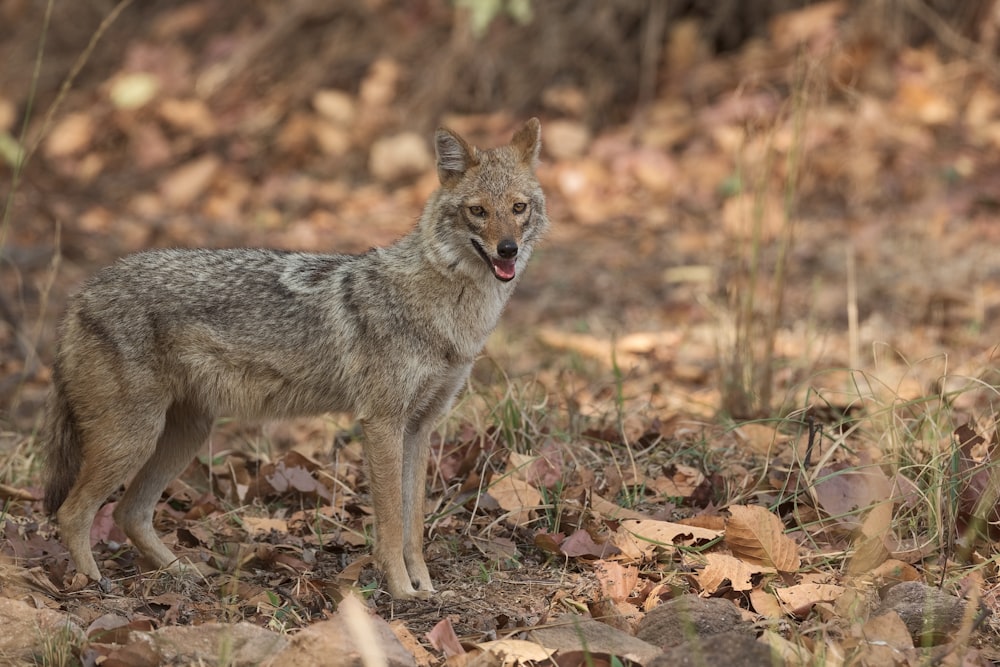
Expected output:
{"points": [[766, 604], [720, 567], [617, 581], [609, 510], [845, 493], [758, 536], [639, 539], [262, 526], [443, 638], [760, 438], [801, 598], [517, 651], [517, 497], [421, 656], [581, 543]]}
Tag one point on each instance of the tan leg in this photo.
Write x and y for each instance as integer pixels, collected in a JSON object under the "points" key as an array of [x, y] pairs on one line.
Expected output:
{"points": [[416, 448], [384, 451], [107, 464], [183, 434]]}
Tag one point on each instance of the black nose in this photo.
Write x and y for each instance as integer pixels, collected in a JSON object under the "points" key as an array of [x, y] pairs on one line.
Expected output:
{"points": [[507, 249]]}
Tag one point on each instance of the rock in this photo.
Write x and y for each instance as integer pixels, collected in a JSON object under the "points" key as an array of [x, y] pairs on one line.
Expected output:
{"points": [[690, 616], [579, 633], [213, 643], [399, 156], [727, 649], [930, 615], [31, 636]]}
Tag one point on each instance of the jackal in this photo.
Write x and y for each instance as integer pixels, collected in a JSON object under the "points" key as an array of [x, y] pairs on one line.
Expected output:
{"points": [[157, 346]]}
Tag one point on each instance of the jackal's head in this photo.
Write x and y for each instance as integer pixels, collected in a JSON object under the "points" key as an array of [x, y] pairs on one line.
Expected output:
{"points": [[493, 198]]}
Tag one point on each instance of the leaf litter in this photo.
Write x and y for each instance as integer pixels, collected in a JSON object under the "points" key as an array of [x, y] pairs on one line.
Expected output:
{"points": [[655, 496]]}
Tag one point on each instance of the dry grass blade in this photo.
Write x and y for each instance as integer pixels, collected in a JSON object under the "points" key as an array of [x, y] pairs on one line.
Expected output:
{"points": [[757, 536]]}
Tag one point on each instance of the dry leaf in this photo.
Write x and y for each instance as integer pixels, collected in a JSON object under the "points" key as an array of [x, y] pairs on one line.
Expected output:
{"points": [[617, 581], [639, 539], [443, 638], [720, 567], [517, 651], [421, 656], [517, 497], [581, 543], [261, 526], [845, 493], [870, 548], [758, 536], [609, 510], [800, 599], [895, 571], [760, 438], [766, 604]]}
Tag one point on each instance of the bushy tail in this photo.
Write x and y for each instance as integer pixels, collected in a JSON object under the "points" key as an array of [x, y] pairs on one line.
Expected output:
{"points": [[63, 455]]}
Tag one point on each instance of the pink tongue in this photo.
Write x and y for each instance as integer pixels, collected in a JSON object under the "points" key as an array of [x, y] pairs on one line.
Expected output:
{"points": [[504, 268]]}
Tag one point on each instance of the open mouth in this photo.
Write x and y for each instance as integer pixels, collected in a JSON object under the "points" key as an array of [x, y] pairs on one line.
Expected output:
{"points": [[503, 269]]}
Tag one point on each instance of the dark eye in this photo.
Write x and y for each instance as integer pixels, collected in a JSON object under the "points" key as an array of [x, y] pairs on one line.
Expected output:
{"points": [[519, 207], [477, 211]]}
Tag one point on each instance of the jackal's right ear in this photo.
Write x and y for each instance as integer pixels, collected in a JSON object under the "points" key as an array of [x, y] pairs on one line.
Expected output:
{"points": [[454, 156], [528, 142]]}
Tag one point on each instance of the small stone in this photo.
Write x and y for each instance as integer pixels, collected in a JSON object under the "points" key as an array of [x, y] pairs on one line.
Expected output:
{"points": [[931, 615], [728, 649], [690, 616]]}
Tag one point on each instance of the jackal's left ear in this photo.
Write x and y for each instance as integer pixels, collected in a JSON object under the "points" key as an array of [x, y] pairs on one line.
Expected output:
{"points": [[528, 142], [454, 156]]}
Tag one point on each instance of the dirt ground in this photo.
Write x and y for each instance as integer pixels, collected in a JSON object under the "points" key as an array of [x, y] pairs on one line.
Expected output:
{"points": [[799, 217]]}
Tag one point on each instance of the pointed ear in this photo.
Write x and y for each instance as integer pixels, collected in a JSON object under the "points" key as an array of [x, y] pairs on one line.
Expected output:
{"points": [[454, 156], [528, 142]]}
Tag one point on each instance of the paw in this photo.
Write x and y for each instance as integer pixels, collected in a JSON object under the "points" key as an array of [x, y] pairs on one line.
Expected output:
{"points": [[411, 593], [406, 590]]}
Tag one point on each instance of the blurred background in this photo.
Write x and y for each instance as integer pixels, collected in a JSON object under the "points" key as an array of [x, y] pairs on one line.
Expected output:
{"points": [[746, 196]]}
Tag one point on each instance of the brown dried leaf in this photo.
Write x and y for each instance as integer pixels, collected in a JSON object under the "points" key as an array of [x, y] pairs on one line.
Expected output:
{"points": [[517, 651], [800, 599], [443, 638], [617, 581], [581, 543], [517, 497], [262, 526], [723, 566], [639, 539], [766, 604], [422, 656], [845, 493], [758, 536]]}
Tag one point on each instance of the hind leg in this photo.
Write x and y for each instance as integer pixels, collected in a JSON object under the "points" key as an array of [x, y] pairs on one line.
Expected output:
{"points": [[185, 430], [113, 448]]}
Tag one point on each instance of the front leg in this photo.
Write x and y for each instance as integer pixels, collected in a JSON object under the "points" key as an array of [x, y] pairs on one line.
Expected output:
{"points": [[416, 448], [384, 451]]}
